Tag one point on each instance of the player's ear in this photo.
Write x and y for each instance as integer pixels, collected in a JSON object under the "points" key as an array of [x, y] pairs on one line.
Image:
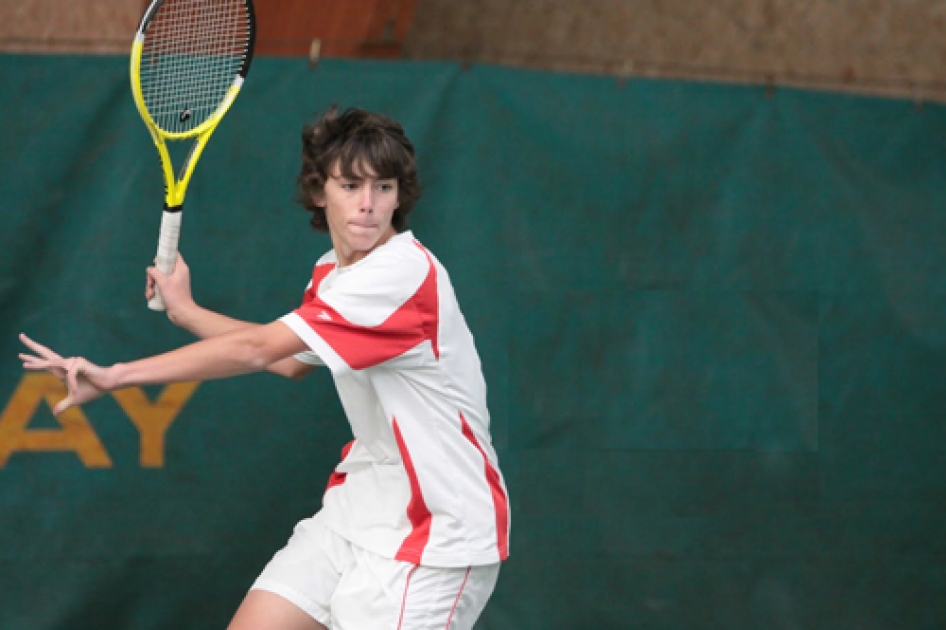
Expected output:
{"points": [[318, 198]]}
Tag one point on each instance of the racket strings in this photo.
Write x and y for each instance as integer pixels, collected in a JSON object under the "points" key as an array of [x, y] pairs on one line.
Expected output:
{"points": [[192, 52]]}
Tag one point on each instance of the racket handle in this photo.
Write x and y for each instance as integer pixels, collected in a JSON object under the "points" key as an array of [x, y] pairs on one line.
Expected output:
{"points": [[167, 251]]}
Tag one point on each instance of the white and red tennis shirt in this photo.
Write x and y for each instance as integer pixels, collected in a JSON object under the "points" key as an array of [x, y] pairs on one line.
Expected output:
{"points": [[420, 482]]}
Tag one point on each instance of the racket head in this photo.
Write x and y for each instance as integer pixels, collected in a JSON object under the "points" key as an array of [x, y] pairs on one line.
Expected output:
{"points": [[189, 60]]}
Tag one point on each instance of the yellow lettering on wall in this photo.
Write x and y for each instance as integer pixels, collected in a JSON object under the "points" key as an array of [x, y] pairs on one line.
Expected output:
{"points": [[76, 434], [153, 419]]}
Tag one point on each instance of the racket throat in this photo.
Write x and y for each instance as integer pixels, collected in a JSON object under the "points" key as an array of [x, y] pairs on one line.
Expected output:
{"points": [[186, 166]]}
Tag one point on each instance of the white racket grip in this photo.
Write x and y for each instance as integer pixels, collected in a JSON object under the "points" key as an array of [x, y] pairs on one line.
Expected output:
{"points": [[167, 251]]}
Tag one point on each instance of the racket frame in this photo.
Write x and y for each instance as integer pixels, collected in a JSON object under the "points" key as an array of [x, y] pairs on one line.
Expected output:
{"points": [[175, 187]]}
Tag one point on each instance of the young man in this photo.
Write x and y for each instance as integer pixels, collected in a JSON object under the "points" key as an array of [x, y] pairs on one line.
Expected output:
{"points": [[415, 519]]}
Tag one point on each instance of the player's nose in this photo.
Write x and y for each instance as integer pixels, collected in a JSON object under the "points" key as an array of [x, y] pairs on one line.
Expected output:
{"points": [[367, 199]]}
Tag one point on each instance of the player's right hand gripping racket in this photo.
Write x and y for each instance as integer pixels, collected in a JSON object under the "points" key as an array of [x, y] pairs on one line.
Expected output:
{"points": [[188, 62]]}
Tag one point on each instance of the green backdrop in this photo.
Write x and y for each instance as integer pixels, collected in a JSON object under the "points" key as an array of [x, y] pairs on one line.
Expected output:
{"points": [[712, 320]]}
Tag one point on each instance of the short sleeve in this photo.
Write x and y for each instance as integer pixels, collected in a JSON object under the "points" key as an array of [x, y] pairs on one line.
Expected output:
{"points": [[372, 312]]}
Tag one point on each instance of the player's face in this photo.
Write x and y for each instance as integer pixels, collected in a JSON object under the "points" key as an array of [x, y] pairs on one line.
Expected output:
{"points": [[358, 211]]}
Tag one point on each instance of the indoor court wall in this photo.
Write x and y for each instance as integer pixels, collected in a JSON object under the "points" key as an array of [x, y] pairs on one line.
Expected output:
{"points": [[712, 319]]}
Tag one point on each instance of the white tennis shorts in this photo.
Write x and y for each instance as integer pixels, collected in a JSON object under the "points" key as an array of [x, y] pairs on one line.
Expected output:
{"points": [[345, 587]]}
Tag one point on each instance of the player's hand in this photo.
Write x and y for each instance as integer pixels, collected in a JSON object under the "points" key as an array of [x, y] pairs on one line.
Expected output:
{"points": [[84, 380], [175, 288]]}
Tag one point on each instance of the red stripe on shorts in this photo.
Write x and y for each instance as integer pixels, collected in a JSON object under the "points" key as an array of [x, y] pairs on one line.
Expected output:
{"points": [[457, 600], [407, 583]]}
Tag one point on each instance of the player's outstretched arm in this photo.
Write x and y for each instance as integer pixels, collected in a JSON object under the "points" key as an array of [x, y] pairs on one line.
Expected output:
{"points": [[183, 311], [231, 354]]}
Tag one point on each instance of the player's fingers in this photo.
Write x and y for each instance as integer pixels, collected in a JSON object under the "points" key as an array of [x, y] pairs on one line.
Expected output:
{"points": [[33, 362], [149, 284], [73, 367], [63, 404], [180, 269], [155, 275], [156, 281], [38, 348]]}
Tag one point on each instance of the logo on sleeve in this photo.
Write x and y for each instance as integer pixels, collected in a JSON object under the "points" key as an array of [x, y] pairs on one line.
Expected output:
{"points": [[325, 316]]}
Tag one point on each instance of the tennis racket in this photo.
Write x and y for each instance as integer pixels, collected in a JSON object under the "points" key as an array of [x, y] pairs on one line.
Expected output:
{"points": [[188, 63]]}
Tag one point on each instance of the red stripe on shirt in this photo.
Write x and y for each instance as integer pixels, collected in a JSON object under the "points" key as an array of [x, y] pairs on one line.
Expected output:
{"points": [[428, 303], [318, 275], [337, 478], [500, 503], [414, 322], [412, 548]]}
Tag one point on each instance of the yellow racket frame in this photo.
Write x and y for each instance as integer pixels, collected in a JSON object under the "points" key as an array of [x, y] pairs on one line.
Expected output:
{"points": [[176, 186]]}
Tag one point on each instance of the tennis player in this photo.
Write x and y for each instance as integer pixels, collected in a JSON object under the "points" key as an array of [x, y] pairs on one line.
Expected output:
{"points": [[415, 518]]}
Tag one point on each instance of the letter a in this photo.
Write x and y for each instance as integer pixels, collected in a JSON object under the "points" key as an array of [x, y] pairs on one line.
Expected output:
{"points": [[76, 434]]}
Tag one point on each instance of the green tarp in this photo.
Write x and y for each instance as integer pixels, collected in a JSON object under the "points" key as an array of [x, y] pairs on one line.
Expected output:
{"points": [[712, 320]]}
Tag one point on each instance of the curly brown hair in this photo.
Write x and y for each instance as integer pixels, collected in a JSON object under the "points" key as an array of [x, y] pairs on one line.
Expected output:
{"points": [[354, 141]]}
